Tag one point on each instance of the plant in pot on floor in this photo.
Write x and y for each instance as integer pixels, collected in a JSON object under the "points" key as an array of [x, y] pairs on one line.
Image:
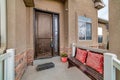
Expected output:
{"points": [[64, 57]]}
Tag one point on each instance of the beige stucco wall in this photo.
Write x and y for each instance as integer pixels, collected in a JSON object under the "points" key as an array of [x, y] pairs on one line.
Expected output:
{"points": [[105, 35], [66, 23], [21, 19], [19, 26], [115, 26], [114, 29], [28, 28], [81, 8], [16, 25], [11, 22]]}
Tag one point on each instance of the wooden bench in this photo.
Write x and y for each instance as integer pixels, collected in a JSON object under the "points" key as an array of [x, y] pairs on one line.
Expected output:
{"points": [[90, 72]]}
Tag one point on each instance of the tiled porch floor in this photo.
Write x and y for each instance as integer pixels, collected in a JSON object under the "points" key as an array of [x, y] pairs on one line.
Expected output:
{"points": [[59, 72]]}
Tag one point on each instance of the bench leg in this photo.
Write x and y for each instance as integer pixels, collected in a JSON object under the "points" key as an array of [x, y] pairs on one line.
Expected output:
{"points": [[70, 64]]}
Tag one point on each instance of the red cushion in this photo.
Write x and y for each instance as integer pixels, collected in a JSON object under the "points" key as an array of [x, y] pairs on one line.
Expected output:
{"points": [[95, 61], [81, 55]]}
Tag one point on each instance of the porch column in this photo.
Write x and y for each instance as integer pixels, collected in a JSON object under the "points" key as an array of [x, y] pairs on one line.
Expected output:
{"points": [[2, 32], [3, 23], [109, 69]]}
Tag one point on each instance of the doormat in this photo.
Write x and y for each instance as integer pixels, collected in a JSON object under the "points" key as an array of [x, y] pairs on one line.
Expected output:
{"points": [[45, 66]]}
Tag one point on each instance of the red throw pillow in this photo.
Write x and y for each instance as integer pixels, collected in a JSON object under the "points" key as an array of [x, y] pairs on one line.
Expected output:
{"points": [[81, 55], [95, 61]]}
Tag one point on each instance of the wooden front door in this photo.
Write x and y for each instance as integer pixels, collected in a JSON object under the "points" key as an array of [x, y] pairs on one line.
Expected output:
{"points": [[45, 44]]}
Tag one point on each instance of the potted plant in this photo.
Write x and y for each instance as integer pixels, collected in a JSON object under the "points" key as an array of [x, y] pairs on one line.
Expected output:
{"points": [[64, 57]]}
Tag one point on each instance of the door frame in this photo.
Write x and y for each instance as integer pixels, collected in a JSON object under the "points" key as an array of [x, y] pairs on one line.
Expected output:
{"points": [[34, 29]]}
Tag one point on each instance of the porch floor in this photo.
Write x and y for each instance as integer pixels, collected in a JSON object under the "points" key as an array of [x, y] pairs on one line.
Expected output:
{"points": [[59, 72]]}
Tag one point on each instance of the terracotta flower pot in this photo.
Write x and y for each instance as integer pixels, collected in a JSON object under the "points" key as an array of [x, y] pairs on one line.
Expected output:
{"points": [[64, 59]]}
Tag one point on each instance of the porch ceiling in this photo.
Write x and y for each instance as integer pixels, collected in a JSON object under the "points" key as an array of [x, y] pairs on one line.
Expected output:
{"points": [[98, 3], [62, 0], [29, 3], [97, 0]]}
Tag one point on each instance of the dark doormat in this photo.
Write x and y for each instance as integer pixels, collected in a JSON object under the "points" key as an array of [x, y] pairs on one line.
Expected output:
{"points": [[45, 66]]}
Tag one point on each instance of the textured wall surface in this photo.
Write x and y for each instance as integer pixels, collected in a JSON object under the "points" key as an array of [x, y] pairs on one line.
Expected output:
{"points": [[114, 29]]}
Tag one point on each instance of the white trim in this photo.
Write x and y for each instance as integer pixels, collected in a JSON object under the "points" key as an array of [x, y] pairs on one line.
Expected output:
{"points": [[116, 63], [111, 63], [109, 70], [2, 32], [73, 49], [3, 22], [9, 65]]}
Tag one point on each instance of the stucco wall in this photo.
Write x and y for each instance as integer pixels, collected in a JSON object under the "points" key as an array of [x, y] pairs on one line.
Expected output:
{"points": [[11, 23], [21, 20], [66, 23], [81, 8], [16, 25], [114, 29]]}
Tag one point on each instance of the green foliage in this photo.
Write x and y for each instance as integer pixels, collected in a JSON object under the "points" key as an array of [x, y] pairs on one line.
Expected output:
{"points": [[64, 55]]}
